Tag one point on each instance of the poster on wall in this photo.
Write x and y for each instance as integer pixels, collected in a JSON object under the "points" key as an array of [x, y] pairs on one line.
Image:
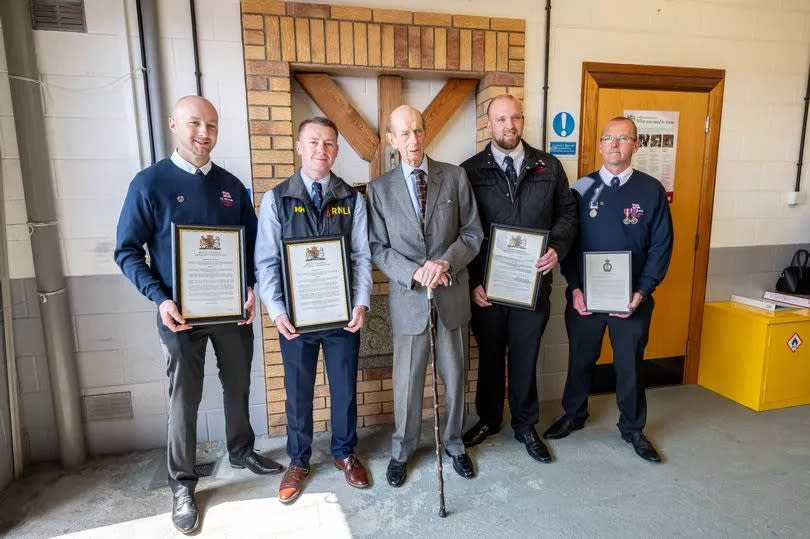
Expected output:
{"points": [[658, 145]]}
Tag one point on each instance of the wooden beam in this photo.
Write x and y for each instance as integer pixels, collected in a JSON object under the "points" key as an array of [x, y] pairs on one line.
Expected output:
{"points": [[333, 102], [444, 105], [389, 97]]}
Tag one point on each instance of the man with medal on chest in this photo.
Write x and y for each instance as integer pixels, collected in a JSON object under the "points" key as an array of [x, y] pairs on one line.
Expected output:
{"points": [[620, 209]]}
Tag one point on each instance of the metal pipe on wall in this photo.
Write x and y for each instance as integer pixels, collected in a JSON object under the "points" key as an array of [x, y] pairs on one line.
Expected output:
{"points": [[146, 93], [8, 343], [57, 325], [156, 109], [197, 73], [797, 186], [545, 75]]}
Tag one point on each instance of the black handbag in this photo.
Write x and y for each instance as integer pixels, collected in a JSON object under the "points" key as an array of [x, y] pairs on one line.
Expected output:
{"points": [[795, 279]]}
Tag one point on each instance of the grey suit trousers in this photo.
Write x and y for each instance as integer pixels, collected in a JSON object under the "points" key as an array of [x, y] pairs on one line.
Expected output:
{"points": [[411, 354]]}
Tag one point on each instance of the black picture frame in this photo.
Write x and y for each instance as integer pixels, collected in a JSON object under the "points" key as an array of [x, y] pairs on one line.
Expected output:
{"points": [[177, 277], [289, 299], [537, 278]]}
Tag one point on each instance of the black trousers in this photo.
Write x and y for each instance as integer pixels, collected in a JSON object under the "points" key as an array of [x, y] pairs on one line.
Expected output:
{"points": [[185, 358], [300, 359], [496, 329], [628, 337]]}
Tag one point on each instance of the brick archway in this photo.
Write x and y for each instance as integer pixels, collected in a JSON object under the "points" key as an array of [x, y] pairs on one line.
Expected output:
{"points": [[280, 38]]}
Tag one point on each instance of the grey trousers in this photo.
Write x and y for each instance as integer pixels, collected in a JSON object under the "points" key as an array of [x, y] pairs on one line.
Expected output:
{"points": [[185, 366], [411, 353]]}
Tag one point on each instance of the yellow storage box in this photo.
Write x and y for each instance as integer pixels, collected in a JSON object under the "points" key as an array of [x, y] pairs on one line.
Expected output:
{"points": [[758, 358]]}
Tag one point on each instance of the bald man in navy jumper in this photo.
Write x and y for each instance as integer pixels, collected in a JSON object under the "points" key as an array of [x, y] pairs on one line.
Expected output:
{"points": [[620, 209], [187, 188]]}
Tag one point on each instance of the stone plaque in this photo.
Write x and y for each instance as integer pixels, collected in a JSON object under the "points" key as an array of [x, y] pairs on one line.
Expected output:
{"points": [[376, 344]]}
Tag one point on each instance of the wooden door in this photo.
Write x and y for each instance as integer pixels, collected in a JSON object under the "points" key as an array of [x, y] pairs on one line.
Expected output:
{"points": [[669, 332]]}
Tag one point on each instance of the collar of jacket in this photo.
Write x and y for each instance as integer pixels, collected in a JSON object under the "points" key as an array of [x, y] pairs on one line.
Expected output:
{"points": [[532, 158], [336, 188]]}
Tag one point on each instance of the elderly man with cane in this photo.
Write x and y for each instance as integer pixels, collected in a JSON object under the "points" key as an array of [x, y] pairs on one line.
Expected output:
{"points": [[423, 231]]}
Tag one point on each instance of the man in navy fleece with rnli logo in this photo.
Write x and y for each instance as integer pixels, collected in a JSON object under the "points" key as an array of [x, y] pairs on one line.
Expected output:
{"points": [[620, 209], [188, 188]]}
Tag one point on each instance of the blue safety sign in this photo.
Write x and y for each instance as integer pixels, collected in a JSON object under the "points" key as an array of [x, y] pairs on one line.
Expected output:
{"points": [[563, 124], [563, 148]]}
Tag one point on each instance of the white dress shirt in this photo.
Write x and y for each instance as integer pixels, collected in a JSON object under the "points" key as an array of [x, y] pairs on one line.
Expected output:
{"points": [[516, 155], [606, 175], [188, 167]]}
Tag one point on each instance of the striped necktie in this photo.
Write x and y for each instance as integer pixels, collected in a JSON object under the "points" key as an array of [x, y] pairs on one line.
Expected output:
{"points": [[421, 190]]}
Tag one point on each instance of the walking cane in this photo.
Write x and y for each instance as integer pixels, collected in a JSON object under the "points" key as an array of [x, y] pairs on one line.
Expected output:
{"points": [[432, 318]]}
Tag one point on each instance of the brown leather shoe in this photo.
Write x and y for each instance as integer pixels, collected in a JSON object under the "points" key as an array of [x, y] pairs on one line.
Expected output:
{"points": [[354, 471], [292, 483]]}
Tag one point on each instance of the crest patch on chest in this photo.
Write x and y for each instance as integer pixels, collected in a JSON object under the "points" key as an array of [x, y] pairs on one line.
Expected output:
{"points": [[226, 199]]}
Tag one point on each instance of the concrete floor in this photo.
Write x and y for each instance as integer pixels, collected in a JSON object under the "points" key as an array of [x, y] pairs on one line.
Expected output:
{"points": [[728, 472]]}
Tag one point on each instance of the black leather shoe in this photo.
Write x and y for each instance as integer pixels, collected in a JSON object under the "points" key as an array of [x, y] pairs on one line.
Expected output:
{"points": [[644, 448], [184, 514], [562, 427], [462, 465], [477, 434], [534, 445], [257, 464], [396, 473]]}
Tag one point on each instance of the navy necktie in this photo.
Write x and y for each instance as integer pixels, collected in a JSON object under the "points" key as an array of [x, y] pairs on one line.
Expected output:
{"points": [[317, 195], [200, 173], [511, 174], [614, 182]]}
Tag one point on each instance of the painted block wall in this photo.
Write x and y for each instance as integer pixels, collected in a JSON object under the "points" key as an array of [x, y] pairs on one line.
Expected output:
{"points": [[97, 137], [6, 460], [96, 133], [117, 350]]}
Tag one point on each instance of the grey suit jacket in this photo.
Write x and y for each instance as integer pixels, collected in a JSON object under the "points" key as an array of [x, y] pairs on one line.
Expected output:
{"points": [[399, 246]]}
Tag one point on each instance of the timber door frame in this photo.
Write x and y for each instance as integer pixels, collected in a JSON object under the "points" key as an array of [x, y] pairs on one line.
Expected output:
{"points": [[596, 75]]}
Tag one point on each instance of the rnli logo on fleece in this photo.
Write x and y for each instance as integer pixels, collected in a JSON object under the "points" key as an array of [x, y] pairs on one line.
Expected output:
{"points": [[226, 199], [334, 211]]}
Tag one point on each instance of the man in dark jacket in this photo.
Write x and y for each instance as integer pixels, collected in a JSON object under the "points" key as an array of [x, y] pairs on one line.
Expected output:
{"points": [[515, 185], [189, 189], [312, 203]]}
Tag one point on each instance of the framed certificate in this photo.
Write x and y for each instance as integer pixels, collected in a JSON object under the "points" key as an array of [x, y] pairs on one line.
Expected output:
{"points": [[316, 282], [608, 281], [208, 269], [511, 277]]}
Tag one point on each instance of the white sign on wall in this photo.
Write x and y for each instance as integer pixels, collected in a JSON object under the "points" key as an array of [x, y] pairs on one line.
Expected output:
{"points": [[658, 137], [563, 125]]}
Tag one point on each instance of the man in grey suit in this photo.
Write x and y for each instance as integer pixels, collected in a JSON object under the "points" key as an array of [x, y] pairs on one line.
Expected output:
{"points": [[423, 231]]}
